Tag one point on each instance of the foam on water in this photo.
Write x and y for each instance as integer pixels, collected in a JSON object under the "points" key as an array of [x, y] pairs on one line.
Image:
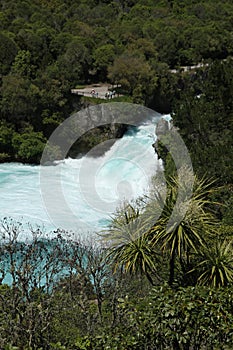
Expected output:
{"points": [[92, 187]]}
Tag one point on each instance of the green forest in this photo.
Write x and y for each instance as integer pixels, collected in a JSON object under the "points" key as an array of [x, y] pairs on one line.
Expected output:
{"points": [[146, 284], [50, 47]]}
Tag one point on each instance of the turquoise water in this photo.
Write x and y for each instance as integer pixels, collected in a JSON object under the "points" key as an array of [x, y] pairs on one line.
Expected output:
{"points": [[92, 188]]}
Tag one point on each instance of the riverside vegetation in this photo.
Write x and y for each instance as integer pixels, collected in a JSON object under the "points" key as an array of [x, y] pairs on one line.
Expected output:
{"points": [[49, 47], [143, 286]]}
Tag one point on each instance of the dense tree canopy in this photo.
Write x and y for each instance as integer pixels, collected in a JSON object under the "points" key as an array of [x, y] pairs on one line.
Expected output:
{"points": [[49, 47]]}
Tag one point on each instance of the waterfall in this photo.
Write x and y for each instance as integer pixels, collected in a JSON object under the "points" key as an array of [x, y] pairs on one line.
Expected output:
{"points": [[92, 187]]}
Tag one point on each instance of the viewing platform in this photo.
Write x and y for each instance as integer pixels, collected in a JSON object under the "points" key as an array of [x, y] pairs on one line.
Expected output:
{"points": [[103, 91]]}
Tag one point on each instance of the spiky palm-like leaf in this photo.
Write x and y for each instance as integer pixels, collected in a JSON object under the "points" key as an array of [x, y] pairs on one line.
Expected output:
{"points": [[216, 264], [129, 243], [190, 218], [184, 221], [174, 220]]}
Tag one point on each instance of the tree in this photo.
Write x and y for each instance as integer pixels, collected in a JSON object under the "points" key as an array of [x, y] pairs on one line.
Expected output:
{"points": [[29, 145], [176, 228], [76, 60], [19, 98], [103, 57], [59, 42], [129, 246], [132, 71], [191, 221], [8, 51], [202, 112], [22, 64], [167, 44], [30, 268], [37, 42], [6, 134]]}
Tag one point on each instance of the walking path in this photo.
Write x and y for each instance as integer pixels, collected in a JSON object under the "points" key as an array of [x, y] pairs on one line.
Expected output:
{"points": [[106, 91], [189, 68]]}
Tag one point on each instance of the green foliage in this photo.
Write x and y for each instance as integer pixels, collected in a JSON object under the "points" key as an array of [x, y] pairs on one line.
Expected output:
{"points": [[28, 145], [188, 318], [19, 96], [216, 264], [22, 64], [47, 48], [185, 319], [6, 135], [8, 51], [176, 224], [206, 121], [63, 295], [103, 57], [130, 247], [131, 71], [185, 222]]}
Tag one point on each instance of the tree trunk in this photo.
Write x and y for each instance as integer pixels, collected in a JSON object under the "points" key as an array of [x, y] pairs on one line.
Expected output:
{"points": [[149, 278], [172, 269]]}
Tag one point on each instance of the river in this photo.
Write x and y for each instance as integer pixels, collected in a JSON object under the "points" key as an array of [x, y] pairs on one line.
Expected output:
{"points": [[92, 187]]}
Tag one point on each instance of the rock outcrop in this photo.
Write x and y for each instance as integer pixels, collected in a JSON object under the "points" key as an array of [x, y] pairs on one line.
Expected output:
{"points": [[162, 128]]}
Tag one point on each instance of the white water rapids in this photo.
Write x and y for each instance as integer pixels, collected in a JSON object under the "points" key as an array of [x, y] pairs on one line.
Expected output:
{"points": [[92, 187]]}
